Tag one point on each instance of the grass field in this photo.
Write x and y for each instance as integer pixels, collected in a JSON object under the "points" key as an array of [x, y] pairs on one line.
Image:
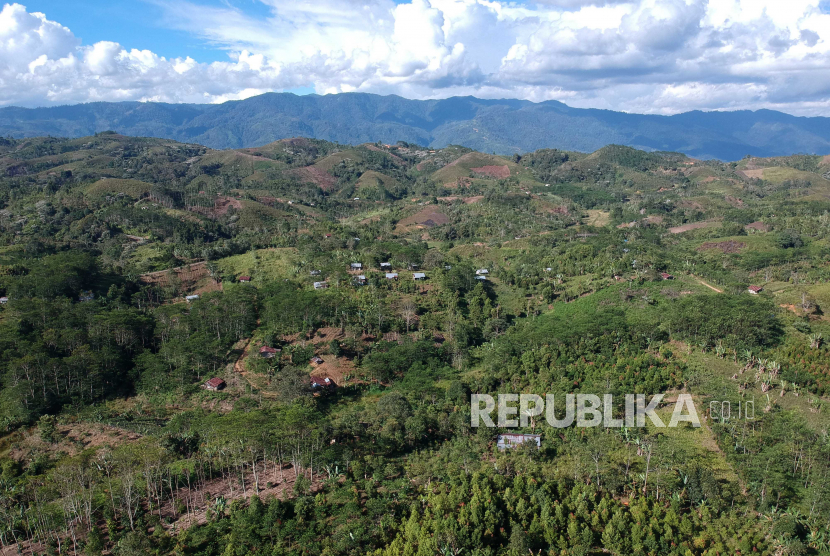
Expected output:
{"points": [[133, 188], [262, 265]]}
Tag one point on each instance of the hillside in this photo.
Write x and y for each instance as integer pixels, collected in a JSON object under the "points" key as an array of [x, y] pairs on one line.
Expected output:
{"points": [[272, 350], [501, 126]]}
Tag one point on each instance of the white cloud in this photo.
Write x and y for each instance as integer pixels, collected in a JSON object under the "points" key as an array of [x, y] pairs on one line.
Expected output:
{"points": [[659, 56]]}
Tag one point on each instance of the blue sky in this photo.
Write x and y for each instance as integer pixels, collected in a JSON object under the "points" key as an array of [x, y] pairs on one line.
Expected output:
{"points": [[648, 56], [134, 24]]}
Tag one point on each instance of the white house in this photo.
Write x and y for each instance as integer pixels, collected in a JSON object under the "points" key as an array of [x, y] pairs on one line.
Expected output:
{"points": [[190, 298], [419, 276], [391, 275], [482, 272], [509, 441], [320, 285]]}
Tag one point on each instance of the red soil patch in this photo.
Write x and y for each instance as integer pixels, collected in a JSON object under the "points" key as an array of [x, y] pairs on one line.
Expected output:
{"points": [[792, 308], [498, 172], [318, 177], [282, 481], [221, 206], [556, 210], [189, 274], [723, 246], [825, 161]]}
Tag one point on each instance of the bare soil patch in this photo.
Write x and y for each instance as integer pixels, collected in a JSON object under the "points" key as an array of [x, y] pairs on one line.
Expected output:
{"points": [[282, 486], [734, 201], [221, 206], [498, 172], [427, 218], [757, 173], [188, 275], [758, 226], [723, 246], [465, 200], [394, 157], [693, 226], [320, 178], [72, 439]]}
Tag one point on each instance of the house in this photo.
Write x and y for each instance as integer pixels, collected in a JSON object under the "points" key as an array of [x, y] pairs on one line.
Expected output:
{"points": [[360, 280], [755, 290], [413, 266], [482, 272], [447, 267], [215, 384], [666, 276], [268, 352], [357, 266], [510, 441], [244, 279], [86, 296], [391, 275], [482, 278], [327, 236], [316, 361], [419, 276], [320, 383], [4, 300], [548, 269], [385, 265], [190, 298], [321, 285], [315, 273]]}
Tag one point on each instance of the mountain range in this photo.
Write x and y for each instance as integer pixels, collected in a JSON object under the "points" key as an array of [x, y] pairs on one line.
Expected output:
{"points": [[498, 126]]}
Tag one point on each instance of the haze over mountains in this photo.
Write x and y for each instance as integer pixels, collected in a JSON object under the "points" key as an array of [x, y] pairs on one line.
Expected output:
{"points": [[500, 126]]}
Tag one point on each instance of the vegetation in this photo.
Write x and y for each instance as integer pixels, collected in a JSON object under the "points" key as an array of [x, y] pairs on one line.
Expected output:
{"points": [[138, 272]]}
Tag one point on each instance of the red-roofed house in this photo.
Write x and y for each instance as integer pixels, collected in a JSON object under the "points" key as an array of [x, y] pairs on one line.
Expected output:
{"points": [[268, 352], [666, 276], [244, 278], [755, 290], [215, 384], [316, 361]]}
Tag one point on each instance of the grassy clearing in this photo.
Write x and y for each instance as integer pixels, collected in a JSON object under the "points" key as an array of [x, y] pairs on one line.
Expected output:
{"points": [[133, 188], [597, 218], [263, 265]]}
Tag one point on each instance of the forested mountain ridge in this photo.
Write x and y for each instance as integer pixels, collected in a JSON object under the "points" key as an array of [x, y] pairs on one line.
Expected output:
{"points": [[501, 126], [137, 274]]}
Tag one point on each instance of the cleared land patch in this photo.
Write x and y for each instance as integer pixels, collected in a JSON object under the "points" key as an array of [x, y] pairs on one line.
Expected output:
{"points": [[723, 246], [694, 226]]}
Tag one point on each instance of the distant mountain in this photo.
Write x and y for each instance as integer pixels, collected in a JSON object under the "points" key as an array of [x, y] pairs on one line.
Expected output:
{"points": [[500, 126]]}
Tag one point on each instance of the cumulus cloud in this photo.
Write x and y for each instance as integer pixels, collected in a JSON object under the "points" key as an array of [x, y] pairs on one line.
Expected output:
{"points": [[655, 56]]}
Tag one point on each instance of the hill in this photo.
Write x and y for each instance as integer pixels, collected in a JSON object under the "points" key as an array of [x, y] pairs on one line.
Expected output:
{"points": [[500, 126], [273, 350]]}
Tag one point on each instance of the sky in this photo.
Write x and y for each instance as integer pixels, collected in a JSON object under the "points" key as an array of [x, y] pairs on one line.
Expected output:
{"points": [[644, 56]]}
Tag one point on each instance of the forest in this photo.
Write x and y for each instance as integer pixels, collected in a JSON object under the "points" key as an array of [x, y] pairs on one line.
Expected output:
{"points": [[272, 350]]}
